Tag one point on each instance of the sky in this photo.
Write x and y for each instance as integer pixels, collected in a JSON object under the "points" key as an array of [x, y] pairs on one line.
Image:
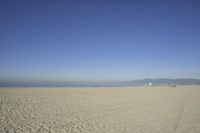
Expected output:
{"points": [[101, 40]]}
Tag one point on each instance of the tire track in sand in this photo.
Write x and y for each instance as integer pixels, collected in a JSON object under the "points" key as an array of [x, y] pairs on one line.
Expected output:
{"points": [[182, 110]]}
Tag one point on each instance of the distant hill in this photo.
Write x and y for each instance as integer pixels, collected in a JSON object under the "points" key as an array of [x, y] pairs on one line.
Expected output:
{"points": [[159, 81], [141, 82]]}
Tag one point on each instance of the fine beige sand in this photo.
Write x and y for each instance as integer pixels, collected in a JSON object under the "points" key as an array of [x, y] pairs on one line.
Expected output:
{"points": [[100, 110]]}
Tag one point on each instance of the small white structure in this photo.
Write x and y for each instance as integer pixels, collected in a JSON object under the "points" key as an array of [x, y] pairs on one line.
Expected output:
{"points": [[150, 84]]}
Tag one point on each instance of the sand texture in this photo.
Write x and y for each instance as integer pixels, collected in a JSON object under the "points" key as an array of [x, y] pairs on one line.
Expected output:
{"points": [[100, 110]]}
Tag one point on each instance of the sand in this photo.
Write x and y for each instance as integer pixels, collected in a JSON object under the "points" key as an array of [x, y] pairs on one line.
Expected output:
{"points": [[100, 110]]}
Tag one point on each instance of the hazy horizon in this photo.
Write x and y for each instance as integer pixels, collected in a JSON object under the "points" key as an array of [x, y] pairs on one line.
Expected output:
{"points": [[99, 40], [88, 81]]}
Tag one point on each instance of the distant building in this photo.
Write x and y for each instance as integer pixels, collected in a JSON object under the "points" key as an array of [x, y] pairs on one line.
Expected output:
{"points": [[150, 84]]}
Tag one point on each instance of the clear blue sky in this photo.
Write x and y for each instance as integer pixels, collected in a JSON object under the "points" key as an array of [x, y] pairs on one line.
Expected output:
{"points": [[99, 40]]}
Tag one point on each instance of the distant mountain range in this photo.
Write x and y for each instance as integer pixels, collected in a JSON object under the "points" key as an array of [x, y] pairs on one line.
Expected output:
{"points": [[159, 81], [141, 82]]}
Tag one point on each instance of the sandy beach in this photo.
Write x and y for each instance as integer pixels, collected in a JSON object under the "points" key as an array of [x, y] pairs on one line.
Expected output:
{"points": [[100, 110]]}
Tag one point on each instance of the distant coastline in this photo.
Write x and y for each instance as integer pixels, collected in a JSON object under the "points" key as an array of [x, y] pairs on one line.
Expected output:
{"points": [[140, 82]]}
